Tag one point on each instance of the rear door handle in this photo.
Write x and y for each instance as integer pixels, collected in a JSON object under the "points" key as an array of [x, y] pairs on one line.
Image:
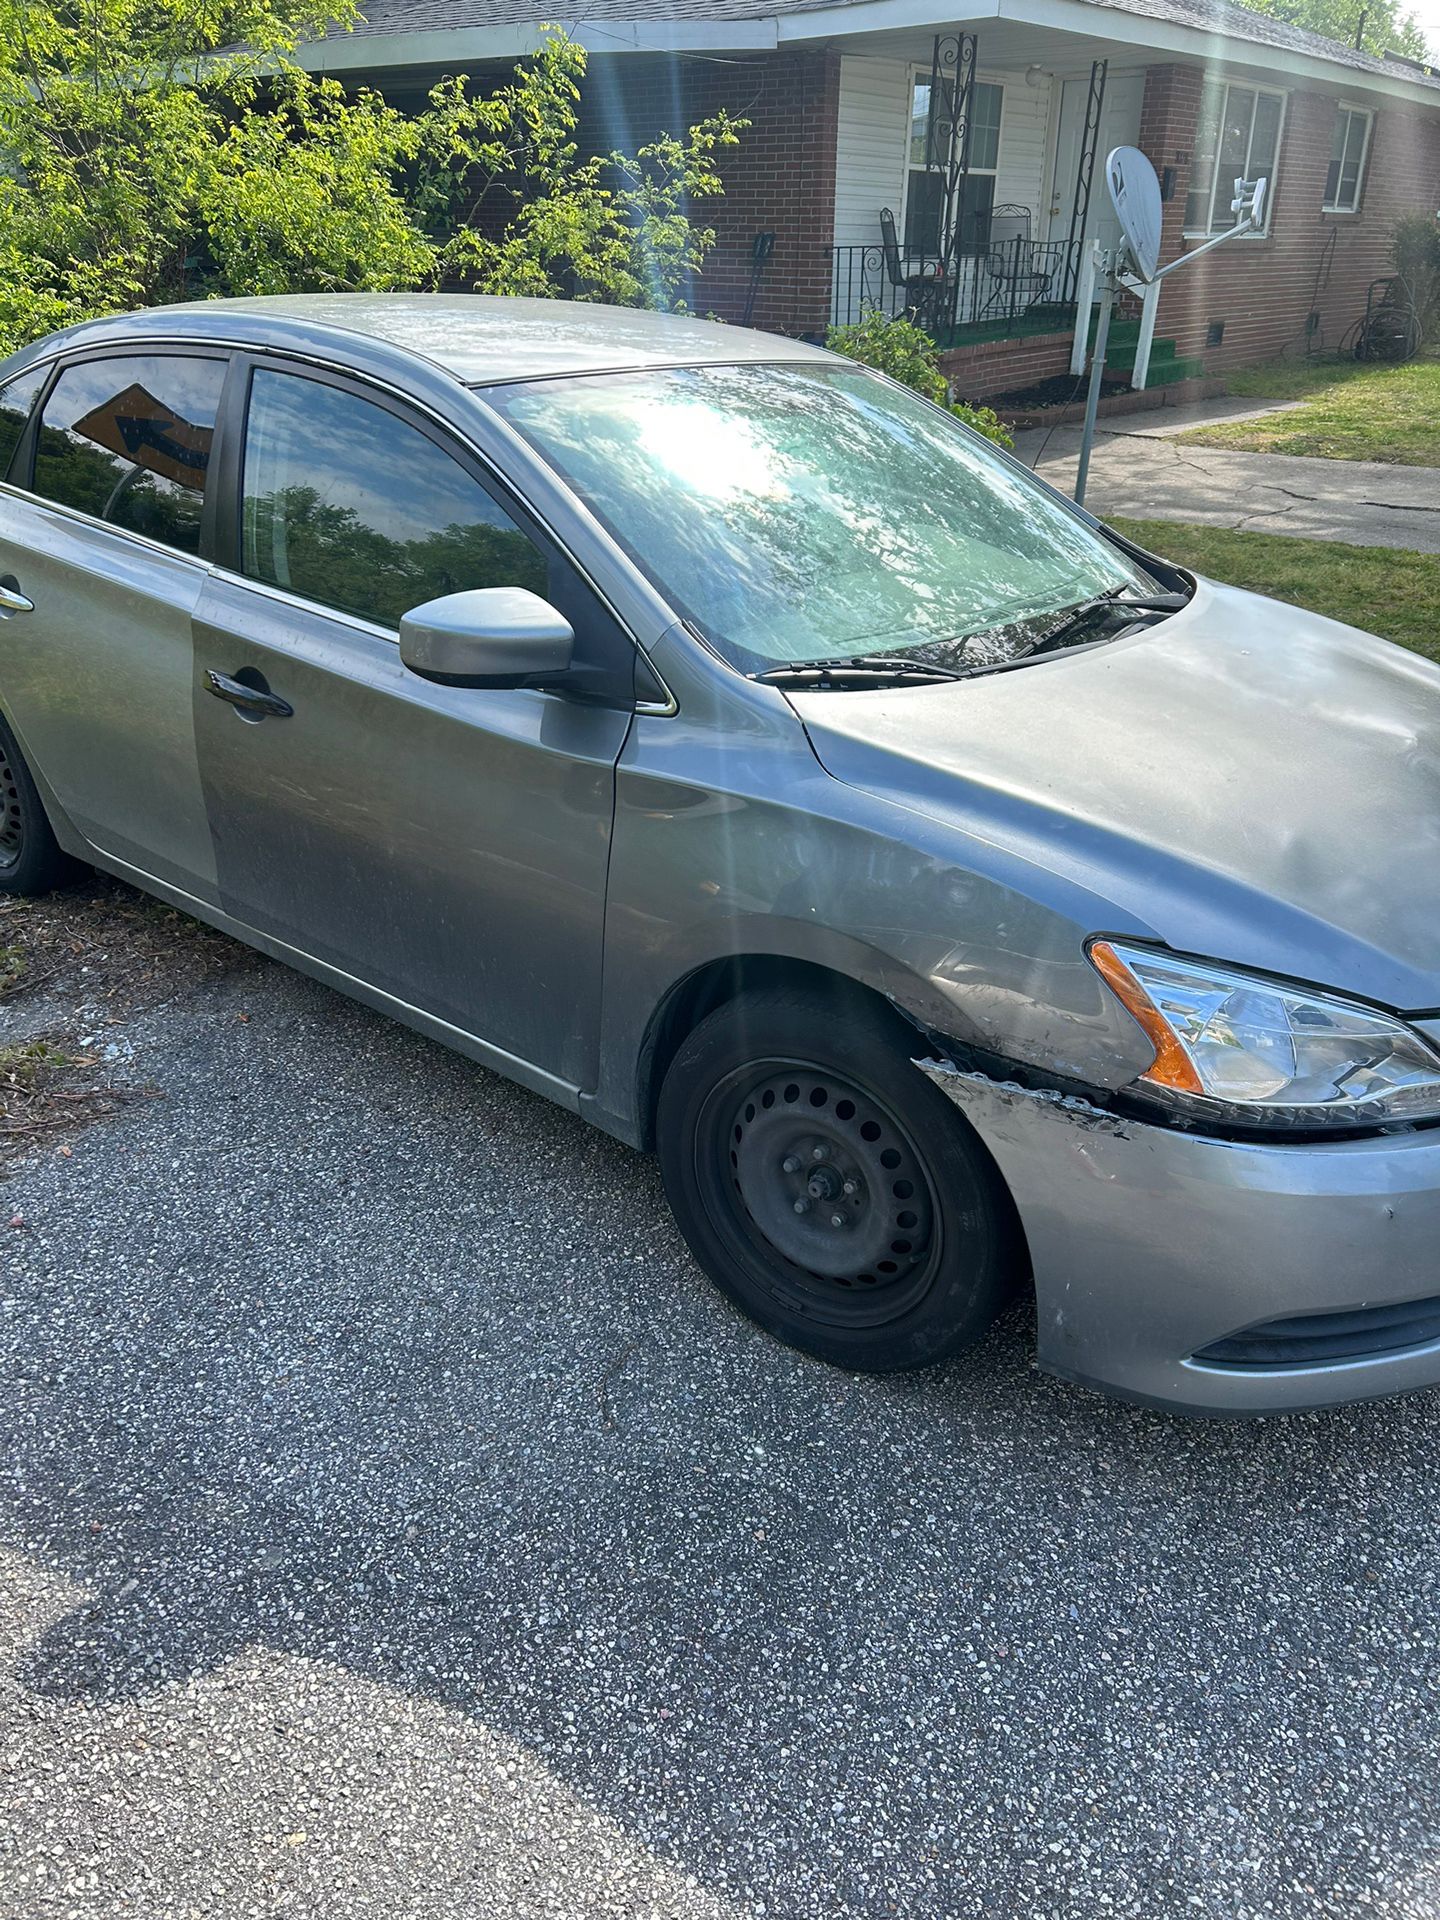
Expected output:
{"points": [[12, 600], [256, 700]]}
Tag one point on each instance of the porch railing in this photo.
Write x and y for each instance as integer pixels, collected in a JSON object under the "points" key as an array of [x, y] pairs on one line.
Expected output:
{"points": [[1017, 287]]}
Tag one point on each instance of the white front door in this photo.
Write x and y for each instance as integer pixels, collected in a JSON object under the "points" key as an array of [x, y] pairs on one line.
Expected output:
{"points": [[1119, 127]]}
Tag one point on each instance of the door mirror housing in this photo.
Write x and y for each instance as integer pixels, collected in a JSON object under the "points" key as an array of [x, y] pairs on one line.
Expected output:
{"points": [[489, 637]]}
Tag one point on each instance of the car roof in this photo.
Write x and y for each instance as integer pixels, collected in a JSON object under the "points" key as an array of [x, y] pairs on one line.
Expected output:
{"points": [[477, 338]]}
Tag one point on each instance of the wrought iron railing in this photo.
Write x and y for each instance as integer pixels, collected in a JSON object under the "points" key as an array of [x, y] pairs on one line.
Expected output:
{"points": [[1014, 284]]}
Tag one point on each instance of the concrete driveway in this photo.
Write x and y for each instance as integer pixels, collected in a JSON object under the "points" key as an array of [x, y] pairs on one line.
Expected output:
{"points": [[394, 1523], [1139, 467]]}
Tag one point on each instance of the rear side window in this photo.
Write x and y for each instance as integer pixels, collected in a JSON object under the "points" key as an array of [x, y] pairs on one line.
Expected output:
{"points": [[347, 505], [128, 439], [16, 400]]}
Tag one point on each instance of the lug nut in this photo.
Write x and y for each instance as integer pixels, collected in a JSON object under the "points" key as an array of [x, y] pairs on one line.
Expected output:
{"points": [[802, 1206], [837, 1219], [818, 1153], [791, 1163], [850, 1187]]}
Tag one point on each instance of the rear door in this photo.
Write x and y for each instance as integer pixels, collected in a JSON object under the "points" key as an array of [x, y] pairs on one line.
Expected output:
{"points": [[445, 845], [108, 541]]}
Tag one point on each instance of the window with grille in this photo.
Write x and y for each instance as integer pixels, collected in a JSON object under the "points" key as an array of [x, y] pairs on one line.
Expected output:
{"points": [[1348, 152], [925, 188], [1238, 138]]}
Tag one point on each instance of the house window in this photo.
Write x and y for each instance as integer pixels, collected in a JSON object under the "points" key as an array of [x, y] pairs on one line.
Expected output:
{"points": [[925, 189], [1238, 138], [1348, 150]]}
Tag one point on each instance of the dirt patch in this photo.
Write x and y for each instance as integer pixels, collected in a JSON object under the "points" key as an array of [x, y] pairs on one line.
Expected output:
{"points": [[98, 949], [74, 966], [48, 1089]]}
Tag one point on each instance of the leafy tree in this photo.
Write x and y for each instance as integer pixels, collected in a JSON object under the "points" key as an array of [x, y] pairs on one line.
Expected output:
{"points": [[1388, 27], [1415, 252], [150, 160]]}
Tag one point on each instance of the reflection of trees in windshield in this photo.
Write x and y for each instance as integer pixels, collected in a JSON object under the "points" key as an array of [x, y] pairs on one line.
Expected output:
{"points": [[299, 541], [798, 513]]}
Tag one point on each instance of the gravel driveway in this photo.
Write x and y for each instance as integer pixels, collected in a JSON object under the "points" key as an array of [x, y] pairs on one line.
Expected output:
{"points": [[394, 1522]]}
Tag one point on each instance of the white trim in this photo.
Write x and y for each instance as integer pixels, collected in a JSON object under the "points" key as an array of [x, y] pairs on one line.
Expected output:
{"points": [[449, 47], [1352, 106], [846, 24], [1110, 23]]}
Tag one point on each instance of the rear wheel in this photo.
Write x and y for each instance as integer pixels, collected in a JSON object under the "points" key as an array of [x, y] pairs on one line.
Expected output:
{"points": [[30, 857], [828, 1187]]}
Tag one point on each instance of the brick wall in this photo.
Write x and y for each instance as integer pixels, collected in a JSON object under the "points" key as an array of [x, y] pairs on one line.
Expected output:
{"points": [[780, 179], [1002, 366], [1310, 261]]}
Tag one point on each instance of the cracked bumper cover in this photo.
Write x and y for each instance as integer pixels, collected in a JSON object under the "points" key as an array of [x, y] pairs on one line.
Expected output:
{"points": [[1149, 1244]]}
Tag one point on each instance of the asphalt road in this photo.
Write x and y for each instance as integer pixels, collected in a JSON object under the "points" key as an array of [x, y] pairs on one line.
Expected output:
{"points": [[394, 1522]]}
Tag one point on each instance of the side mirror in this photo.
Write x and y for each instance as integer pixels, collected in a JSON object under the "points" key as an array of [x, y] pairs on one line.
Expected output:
{"points": [[490, 637]]}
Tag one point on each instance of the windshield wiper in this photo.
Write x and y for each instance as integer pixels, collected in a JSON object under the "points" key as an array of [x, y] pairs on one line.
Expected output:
{"points": [[1077, 621], [855, 674], [1107, 606]]}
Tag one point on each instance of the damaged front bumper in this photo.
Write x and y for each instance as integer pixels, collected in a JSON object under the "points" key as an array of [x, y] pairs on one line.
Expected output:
{"points": [[1217, 1276]]}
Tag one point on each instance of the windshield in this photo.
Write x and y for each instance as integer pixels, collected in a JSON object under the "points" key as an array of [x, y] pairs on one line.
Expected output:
{"points": [[806, 513]]}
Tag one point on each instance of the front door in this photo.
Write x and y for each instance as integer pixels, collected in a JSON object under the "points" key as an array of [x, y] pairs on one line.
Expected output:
{"points": [[445, 845], [1119, 127], [107, 547]]}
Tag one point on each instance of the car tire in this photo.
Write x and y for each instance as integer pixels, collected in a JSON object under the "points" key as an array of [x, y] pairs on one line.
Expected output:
{"points": [[31, 860], [830, 1189]]}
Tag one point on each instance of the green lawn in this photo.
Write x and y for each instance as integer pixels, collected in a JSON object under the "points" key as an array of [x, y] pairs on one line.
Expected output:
{"points": [[1386, 590], [1351, 412]]}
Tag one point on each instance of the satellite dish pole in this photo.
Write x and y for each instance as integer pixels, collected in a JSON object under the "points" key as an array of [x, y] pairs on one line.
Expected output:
{"points": [[1135, 196]]}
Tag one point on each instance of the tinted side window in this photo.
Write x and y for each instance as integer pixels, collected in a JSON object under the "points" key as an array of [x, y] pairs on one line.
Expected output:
{"points": [[345, 504], [128, 440], [16, 400]]}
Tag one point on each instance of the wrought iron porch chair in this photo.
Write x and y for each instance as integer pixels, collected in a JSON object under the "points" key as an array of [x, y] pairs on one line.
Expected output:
{"points": [[1019, 278], [924, 290]]}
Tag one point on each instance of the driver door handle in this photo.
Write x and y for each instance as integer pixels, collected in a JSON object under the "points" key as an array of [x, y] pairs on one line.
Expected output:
{"points": [[254, 700], [12, 600]]}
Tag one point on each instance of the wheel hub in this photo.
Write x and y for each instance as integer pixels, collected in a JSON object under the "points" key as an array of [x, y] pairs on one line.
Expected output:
{"points": [[830, 1180]]}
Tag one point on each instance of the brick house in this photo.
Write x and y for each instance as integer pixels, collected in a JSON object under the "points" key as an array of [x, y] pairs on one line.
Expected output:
{"points": [[903, 160]]}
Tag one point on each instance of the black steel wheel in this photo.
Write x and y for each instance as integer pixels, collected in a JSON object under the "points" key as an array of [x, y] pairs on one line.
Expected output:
{"points": [[828, 1187], [30, 858]]}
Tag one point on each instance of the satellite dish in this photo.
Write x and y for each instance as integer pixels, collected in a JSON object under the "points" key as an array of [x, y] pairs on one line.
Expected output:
{"points": [[1135, 192]]}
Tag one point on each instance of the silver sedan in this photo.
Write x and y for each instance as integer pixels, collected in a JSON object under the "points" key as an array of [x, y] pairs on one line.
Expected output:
{"points": [[724, 742]]}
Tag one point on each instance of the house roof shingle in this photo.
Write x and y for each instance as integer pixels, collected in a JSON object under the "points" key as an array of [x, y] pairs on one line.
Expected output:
{"points": [[383, 17]]}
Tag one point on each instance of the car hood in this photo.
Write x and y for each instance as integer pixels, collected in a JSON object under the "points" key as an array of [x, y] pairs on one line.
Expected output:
{"points": [[1243, 780]]}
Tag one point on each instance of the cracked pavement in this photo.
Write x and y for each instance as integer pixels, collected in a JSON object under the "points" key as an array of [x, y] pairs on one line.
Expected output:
{"points": [[1143, 471], [393, 1522]]}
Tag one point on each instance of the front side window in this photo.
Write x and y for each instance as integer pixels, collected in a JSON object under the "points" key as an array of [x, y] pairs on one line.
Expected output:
{"points": [[925, 188], [804, 513], [16, 400], [1346, 173], [1237, 138], [128, 440], [345, 504]]}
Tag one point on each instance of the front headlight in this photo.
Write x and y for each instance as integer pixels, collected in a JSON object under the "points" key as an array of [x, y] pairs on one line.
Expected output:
{"points": [[1247, 1049]]}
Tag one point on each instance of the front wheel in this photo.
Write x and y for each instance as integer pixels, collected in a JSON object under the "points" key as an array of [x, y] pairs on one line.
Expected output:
{"points": [[828, 1187]]}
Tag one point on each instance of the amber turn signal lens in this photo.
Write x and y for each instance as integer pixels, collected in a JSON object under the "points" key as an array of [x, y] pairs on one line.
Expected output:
{"points": [[1172, 1066]]}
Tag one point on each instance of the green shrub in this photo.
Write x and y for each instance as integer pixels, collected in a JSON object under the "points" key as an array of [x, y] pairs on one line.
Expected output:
{"points": [[908, 354], [1415, 250]]}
